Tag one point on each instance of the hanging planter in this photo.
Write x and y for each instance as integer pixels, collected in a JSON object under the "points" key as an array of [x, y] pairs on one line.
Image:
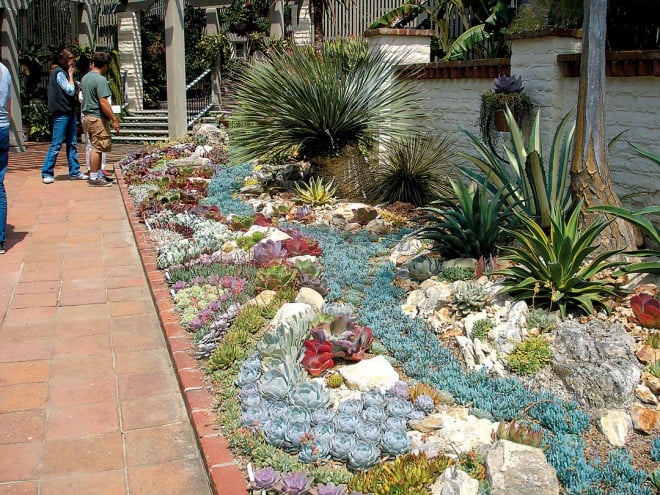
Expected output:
{"points": [[507, 92]]}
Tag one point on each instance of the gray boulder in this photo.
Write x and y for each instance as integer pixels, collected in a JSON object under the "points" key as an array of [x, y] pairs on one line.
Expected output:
{"points": [[596, 363], [211, 135]]}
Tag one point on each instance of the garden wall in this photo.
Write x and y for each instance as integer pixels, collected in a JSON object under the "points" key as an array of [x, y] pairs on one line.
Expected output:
{"points": [[549, 66]]}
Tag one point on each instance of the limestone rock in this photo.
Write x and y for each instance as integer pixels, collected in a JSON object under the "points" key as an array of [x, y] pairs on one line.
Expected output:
{"points": [[405, 250], [310, 297], [289, 311], [643, 393], [647, 354], [468, 262], [513, 468], [645, 419], [455, 482], [377, 226], [376, 372], [263, 299], [450, 434], [652, 382], [596, 362], [615, 425], [211, 135]]}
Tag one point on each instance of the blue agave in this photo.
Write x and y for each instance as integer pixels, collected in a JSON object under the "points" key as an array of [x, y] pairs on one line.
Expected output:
{"points": [[374, 414], [341, 446], [363, 455], [350, 406], [347, 423], [322, 416], [373, 398], [369, 432], [395, 442]]}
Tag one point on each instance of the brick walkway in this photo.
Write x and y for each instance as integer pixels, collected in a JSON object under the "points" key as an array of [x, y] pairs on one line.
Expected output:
{"points": [[89, 400]]}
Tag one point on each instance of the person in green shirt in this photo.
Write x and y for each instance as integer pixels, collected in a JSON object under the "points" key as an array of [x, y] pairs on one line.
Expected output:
{"points": [[96, 113]]}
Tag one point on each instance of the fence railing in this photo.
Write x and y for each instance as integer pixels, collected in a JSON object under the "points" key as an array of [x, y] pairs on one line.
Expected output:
{"points": [[198, 97]]}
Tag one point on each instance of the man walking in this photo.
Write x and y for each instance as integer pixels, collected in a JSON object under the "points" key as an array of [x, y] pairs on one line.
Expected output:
{"points": [[5, 121], [97, 111]]}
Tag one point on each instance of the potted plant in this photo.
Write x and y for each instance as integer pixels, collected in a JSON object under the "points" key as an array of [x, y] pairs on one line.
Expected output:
{"points": [[508, 91]]}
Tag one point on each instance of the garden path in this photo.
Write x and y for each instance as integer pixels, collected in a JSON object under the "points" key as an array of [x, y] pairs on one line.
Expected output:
{"points": [[89, 400]]}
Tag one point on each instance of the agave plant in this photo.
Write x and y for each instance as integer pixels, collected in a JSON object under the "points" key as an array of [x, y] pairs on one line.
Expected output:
{"points": [[470, 227], [316, 192], [413, 170], [316, 104], [528, 185], [552, 270]]}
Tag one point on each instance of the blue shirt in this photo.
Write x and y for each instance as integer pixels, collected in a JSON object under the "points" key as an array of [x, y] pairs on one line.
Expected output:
{"points": [[63, 82], [5, 94]]}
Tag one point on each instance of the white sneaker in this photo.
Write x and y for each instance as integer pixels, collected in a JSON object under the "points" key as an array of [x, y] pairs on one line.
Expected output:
{"points": [[48, 179]]}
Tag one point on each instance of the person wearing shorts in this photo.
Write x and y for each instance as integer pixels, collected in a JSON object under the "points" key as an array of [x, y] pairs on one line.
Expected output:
{"points": [[97, 113]]}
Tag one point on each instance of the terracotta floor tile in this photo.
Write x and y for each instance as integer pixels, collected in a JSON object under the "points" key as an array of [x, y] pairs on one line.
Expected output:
{"points": [[181, 478], [82, 327], [34, 350], [120, 271], [68, 367], [87, 455], [125, 281], [82, 312], [145, 385], [127, 308], [132, 340], [87, 283], [34, 300], [142, 361], [160, 444], [86, 238], [30, 316], [52, 274], [24, 465], [22, 426], [78, 272], [82, 297], [23, 397], [38, 287], [155, 411], [20, 488], [82, 391], [106, 483], [129, 294], [85, 345], [25, 332], [24, 372], [82, 420]]}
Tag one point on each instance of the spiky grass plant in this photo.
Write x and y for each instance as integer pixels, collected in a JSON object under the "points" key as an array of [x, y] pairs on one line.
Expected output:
{"points": [[316, 104], [414, 170]]}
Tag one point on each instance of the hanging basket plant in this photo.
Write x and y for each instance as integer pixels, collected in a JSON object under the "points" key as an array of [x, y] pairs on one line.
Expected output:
{"points": [[508, 92]]}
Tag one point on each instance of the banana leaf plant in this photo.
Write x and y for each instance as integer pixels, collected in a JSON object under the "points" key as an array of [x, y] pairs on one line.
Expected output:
{"points": [[533, 188]]}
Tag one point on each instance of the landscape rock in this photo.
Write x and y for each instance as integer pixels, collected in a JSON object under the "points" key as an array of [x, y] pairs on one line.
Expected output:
{"points": [[615, 425], [371, 373], [644, 419], [513, 468], [211, 135], [405, 250], [643, 393], [290, 311], [596, 362], [467, 262], [647, 354], [455, 482], [310, 297], [448, 433], [652, 382]]}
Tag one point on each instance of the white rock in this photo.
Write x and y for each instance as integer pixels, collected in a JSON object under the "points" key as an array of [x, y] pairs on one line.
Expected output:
{"points": [[405, 249], [455, 482], [310, 297], [643, 393], [289, 311], [615, 425], [471, 319], [451, 433], [468, 351], [468, 262], [376, 372], [518, 314]]}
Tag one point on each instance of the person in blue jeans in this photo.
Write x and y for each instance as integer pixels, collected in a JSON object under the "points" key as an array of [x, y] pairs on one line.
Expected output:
{"points": [[62, 105], [5, 120]]}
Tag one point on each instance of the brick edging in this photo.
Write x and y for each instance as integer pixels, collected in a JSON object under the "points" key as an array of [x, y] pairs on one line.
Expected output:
{"points": [[225, 477]]}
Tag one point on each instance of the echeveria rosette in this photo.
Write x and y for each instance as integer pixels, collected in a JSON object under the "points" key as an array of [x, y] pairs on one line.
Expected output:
{"points": [[416, 415], [254, 417], [399, 407], [330, 489], [315, 451], [324, 431], [350, 406], [369, 432], [295, 433], [274, 385], [251, 402], [248, 389], [395, 442], [268, 251], [341, 446], [276, 408], [298, 414], [395, 423], [265, 479], [274, 431], [425, 404], [399, 389], [372, 398], [311, 395], [363, 455], [347, 423], [296, 483], [322, 416], [374, 415]]}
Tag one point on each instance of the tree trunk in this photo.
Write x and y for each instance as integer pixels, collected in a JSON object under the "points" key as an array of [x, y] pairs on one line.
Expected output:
{"points": [[591, 181], [276, 14], [317, 11]]}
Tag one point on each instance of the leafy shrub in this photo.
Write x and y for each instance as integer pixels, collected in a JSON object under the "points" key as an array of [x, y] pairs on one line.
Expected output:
{"points": [[529, 356], [551, 270], [481, 328], [541, 319], [470, 228], [413, 170]]}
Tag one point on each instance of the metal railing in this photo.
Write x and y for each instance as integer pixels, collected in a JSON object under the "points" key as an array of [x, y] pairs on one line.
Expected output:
{"points": [[198, 97]]}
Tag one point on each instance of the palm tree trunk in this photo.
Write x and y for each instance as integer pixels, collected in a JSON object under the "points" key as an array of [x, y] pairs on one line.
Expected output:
{"points": [[317, 11], [591, 180]]}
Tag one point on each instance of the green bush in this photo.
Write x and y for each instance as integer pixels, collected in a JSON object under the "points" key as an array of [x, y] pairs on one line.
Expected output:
{"points": [[529, 356]]}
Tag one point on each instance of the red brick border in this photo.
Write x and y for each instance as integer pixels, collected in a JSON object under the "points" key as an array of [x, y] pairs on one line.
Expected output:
{"points": [[224, 474]]}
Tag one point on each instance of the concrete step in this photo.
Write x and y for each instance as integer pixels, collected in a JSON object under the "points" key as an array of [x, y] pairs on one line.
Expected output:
{"points": [[143, 125], [137, 139]]}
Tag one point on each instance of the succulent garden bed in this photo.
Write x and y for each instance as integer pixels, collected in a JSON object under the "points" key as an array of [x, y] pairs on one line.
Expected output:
{"points": [[332, 330]]}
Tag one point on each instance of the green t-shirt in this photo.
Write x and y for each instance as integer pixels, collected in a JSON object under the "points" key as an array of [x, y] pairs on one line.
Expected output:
{"points": [[94, 87]]}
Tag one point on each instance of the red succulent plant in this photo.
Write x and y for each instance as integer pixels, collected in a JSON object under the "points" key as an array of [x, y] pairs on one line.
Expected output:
{"points": [[646, 309]]}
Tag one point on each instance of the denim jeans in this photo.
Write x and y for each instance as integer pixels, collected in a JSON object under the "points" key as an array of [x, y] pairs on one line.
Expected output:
{"points": [[65, 127], [4, 159]]}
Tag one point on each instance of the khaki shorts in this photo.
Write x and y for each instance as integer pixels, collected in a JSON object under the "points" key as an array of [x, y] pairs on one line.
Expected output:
{"points": [[98, 131]]}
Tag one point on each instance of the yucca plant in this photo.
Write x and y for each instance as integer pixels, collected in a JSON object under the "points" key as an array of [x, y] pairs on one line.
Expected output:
{"points": [[317, 104], [534, 189], [470, 227], [413, 170], [316, 191], [554, 270]]}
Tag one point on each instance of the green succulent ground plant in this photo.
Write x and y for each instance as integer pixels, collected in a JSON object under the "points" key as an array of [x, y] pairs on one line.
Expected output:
{"points": [[541, 319], [558, 270], [529, 356], [317, 104], [481, 328], [653, 369], [413, 170], [471, 226], [457, 272], [316, 192], [533, 188]]}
